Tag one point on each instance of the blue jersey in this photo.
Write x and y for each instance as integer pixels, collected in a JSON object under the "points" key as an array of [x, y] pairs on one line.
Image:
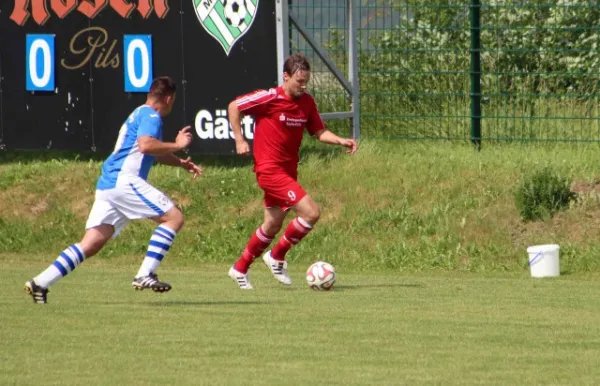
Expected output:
{"points": [[126, 159]]}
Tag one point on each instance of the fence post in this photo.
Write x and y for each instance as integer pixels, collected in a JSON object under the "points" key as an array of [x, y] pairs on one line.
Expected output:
{"points": [[353, 15], [474, 8], [283, 35]]}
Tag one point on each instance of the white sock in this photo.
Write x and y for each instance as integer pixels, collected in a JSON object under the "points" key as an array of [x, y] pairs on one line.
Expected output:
{"points": [[159, 245], [67, 261]]}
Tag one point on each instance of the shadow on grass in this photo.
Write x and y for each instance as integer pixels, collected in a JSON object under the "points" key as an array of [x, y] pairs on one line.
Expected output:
{"points": [[206, 303], [365, 286], [180, 303]]}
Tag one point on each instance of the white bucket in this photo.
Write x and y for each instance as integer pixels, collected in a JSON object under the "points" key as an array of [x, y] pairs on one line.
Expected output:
{"points": [[543, 260]]}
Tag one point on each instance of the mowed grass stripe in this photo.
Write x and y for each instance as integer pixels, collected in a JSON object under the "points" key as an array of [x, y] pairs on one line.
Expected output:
{"points": [[373, 328]]}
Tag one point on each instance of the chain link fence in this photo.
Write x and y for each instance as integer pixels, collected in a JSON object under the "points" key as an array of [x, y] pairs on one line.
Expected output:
{"points": [[539, 67]]}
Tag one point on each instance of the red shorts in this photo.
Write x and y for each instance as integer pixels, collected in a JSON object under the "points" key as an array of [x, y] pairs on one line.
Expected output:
{"points": [[281, 189]]}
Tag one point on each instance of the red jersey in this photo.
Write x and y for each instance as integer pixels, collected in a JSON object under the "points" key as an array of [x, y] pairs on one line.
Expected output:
{"points": [[280, 123]]}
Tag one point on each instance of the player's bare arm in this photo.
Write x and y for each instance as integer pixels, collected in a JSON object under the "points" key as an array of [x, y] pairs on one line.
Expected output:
{"points": [[123, 185], [235, 118], [169, 159], [329, 137], [187, 164], [191, 167], [153, 146]]}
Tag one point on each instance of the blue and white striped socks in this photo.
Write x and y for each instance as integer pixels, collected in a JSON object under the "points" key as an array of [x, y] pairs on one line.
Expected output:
{"points": [[67, 261], [159, 245], [70, 258]]}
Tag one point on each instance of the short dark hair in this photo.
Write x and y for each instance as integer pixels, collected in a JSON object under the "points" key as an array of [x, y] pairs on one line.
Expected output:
{"points": [[295, 63], [162, 87]]}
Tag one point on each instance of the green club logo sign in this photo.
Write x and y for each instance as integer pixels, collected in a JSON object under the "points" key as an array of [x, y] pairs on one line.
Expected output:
{"points": [[226, 20]]}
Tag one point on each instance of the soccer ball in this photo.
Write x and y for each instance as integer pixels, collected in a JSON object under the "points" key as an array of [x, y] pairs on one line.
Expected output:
{"points": [[320, 276], [235, 12]]}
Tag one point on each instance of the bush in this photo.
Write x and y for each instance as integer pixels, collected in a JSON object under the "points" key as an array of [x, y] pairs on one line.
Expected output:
{"points": [[543, 193]]}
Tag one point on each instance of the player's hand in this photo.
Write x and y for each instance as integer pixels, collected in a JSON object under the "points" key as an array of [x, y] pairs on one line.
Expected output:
{"points": [[191, 167], [242, 147], [350, 144], [184, 137]]}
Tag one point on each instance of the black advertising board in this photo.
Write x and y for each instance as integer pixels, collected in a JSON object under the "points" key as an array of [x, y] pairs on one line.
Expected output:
{"points": [[70, 94]]}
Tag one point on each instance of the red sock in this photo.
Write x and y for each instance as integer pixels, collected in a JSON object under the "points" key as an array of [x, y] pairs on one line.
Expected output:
{"points": [[255, 247], [295, 231]]}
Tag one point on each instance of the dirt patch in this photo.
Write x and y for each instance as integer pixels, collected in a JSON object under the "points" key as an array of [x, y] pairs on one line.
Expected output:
{"points": [[376, 198], [492, 222], [248, 210], [17, 203], [33, 197], [39, 207], [81, 206], [181, 201], [331, 212], [585, 188], [578, 225]]}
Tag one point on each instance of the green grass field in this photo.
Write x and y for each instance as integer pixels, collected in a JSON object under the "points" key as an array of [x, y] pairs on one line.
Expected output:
{"points": [[379, 328], [433, 284]]}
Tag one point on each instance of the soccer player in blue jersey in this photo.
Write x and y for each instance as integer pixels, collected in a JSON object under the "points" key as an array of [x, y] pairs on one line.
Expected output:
{"points": [[122, 194]]}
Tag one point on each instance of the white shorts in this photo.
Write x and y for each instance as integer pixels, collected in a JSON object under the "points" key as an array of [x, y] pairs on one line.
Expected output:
{"points": [[133, 198]]}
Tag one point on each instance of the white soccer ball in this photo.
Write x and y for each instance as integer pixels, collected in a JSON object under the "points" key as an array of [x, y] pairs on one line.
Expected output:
{"points": [[235, 12], [320, 276]]}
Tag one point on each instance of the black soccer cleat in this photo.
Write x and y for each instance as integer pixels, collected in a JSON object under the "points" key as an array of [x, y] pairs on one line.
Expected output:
{"points": [[151, 281], [39, 294]]}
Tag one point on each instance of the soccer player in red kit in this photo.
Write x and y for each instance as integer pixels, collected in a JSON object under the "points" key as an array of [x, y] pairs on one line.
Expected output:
{"points": [[281, 115]]}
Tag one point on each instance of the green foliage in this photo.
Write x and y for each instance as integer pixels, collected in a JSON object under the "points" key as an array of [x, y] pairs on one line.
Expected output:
{"points": [[543, 193], [539, 65], [402, 206], [535, 47]]}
